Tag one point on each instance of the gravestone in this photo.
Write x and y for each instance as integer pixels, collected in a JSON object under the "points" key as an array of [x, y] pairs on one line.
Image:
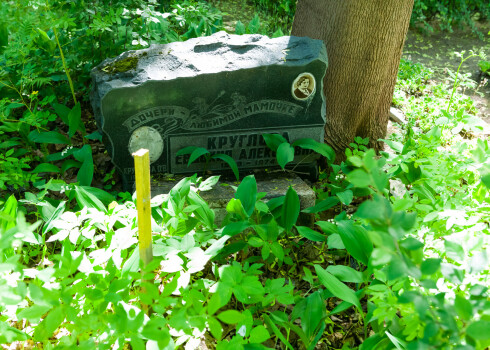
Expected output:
{"points": [[220, 92]]}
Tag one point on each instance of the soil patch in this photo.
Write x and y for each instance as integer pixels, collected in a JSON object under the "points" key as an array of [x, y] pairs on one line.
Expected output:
{"points": [[440, 52]]}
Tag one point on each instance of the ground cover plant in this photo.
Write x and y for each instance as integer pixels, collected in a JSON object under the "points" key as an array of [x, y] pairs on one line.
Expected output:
{"points": [[407, 268], [395, 257]]}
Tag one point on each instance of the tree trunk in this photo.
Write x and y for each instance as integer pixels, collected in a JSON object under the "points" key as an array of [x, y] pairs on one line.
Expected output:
{"points": [[364, 40]]}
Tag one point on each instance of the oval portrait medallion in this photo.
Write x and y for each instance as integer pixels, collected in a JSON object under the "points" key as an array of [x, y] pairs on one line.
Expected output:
{"points": [[304, 86], [149, 138]]}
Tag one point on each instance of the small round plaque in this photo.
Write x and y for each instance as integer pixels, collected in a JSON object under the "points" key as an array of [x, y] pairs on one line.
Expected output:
{"points": [[303, 87], [149, 138]]}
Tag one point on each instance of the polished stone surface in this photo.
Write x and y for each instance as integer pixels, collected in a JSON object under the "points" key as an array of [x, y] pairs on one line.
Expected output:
{"points": [[220, 92]]}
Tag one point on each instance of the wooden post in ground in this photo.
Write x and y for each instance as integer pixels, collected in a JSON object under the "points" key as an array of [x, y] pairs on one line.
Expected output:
{"points": [[142, 172]]}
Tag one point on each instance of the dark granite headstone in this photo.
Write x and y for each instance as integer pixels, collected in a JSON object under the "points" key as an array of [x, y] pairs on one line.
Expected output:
{"points": [[220, 92]]}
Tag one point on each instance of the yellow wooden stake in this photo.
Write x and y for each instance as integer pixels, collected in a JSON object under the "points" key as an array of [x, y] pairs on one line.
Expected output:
{"points": [[142, 172]]}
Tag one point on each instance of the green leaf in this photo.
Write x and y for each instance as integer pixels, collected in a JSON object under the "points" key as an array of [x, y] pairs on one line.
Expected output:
{"points": [[486, 180], [359, 178], [335, 242], [321, 148], [156, 329], [230, 316], [132, 264], [290, 209], [356, 241], [100, 194], [463, 308], [70, 163], [399, 344], [247, 194], [274, 140], [276, 331], [345, 197], [87, 199], [278, 33], [310, 234], [254, 25], [479, 330], [51, 137], [285, 154], [215, 328], [231, 163], [44, 42], [96, 135], [240, 28], [196, 153], [277, 250], [337, 288], [53, 216], [203, 213], [46, 168], [411, 243], [34, 313], [345, 273], [86, 172], [234, 228], [394, 145], [4, 35], [377, 209], [235, 206], [259, 334], [327, 227], [75, 120], [46, 328], [9, 209], [454, 251], [314, 314], [10, 334], [62, 111], [484, 66], [322, 206], [208, 184], [185, 150]]}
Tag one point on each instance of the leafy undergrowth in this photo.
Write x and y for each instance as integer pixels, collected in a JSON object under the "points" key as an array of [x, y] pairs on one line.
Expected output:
{"points": [[397, 256], [394, 254]]}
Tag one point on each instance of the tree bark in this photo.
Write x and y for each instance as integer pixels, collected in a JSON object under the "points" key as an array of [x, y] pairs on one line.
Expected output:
{"points": [[364, 40]]}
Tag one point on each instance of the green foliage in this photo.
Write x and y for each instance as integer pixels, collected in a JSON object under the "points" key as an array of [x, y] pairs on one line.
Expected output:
{"points": [[198, 152], [398, 247], [484, 66], [444, 14], [281, 13], [46, 45], [449, 13]]}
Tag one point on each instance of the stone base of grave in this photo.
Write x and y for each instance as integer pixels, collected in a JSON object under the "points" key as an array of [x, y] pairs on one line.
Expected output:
{"points": [[275, 184]]}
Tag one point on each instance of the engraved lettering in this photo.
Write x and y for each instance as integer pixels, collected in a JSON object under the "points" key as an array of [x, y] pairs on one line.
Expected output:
{"points": [[222, 141], [260, 153], [211, 143], [243, 154], [252, 140], [233, 140], [242, 138]]}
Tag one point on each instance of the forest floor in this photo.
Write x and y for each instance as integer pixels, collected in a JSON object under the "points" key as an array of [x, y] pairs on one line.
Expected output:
{"points": [[437, 50]]}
